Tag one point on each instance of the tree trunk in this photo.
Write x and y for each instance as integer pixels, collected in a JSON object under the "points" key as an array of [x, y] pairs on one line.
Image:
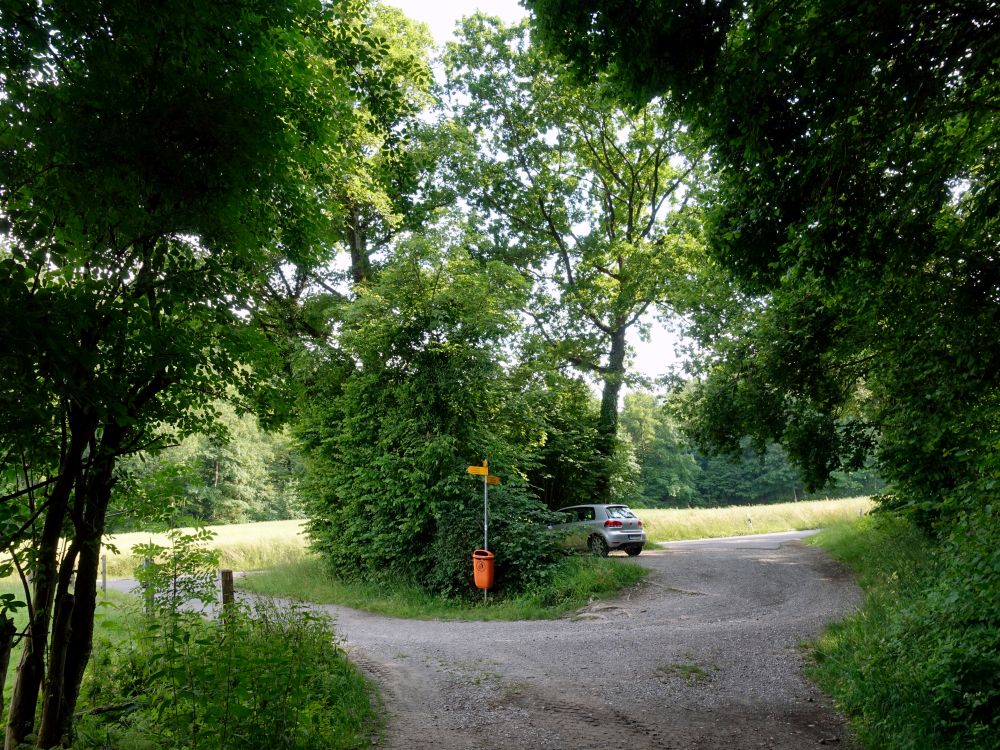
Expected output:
{"points": [[54, 695], [361, 266], [607, 423], [81, 632], [31, 669], [7, 633], [73, 632]]}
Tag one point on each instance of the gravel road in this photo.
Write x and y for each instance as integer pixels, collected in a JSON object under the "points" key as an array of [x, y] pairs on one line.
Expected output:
{"points": [[703, 654]]}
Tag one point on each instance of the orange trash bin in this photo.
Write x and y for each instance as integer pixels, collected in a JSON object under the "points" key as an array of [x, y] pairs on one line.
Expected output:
{"points": [[482, 568]]}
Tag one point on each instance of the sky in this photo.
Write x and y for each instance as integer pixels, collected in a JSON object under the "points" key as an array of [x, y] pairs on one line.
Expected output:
{"points": [[441, 15], [653, 358]]}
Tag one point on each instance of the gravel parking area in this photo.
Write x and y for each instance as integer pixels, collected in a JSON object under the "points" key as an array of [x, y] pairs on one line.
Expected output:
{"points": [[704, 654]]}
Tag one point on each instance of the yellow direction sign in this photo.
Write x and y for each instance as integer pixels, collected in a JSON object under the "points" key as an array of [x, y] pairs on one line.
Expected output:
{"points": [[480, 470], [495, 481]]}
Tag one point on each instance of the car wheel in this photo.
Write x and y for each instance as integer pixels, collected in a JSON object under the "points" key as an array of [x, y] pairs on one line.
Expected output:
{"points": [[598, 546], [634, 550]]}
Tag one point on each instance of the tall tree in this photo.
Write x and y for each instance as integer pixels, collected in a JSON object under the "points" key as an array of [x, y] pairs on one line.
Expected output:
{"points": [[856, 146], [159, 163], [590, 202]]}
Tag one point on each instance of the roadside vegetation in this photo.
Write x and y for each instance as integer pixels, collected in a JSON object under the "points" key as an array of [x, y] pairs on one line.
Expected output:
{"points": [[166, 677], [916, 667], [271, 677], [278, 552]]}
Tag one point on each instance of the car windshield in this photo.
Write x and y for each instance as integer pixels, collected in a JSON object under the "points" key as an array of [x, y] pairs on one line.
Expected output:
{"points": [[619, 511]]}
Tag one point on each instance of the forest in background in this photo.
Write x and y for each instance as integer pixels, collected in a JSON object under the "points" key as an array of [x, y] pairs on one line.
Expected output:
{"points": [[239, 473]]}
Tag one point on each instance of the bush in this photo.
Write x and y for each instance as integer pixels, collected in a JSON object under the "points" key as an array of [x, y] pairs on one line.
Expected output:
{"points": [[518, 538], [419, 391], [266, 678]]}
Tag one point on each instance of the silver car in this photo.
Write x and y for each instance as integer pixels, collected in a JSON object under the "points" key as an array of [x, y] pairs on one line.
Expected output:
{"points": [[604, 527]]}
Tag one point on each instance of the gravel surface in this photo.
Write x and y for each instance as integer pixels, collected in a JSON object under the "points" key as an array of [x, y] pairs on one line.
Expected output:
{"points": [[703, 654]]}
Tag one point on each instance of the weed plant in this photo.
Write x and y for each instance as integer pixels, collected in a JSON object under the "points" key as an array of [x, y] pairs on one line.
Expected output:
{"points": [[571, 584], [918, 667], [267, 678]]}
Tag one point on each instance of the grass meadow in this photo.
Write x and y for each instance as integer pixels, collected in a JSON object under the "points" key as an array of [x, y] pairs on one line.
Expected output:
{"points": [[241, 546], [270, 544], [677, 524]]}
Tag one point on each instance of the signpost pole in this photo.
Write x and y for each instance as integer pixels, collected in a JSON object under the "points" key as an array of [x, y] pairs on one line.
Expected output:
{"points": [[486, 513], [488, 479]]}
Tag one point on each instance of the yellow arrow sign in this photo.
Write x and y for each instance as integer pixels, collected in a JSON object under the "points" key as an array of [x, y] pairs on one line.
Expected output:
{"points": [[479, 470], [490, 479]]}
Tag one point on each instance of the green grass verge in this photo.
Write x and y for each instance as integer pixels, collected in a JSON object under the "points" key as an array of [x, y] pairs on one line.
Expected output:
{"points": [[676, 524], [574, 582], [918, 666]]}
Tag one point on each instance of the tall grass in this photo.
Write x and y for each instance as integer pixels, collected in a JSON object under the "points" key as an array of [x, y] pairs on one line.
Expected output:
{"points": [[242, 546], [666, 525]]}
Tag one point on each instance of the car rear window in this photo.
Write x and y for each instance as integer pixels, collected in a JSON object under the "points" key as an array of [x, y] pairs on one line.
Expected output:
{"points": [[619, 511]]}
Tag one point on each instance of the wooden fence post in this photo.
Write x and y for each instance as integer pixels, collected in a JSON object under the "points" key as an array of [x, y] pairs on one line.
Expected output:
{"points": [[228, 594], [148, 592]]}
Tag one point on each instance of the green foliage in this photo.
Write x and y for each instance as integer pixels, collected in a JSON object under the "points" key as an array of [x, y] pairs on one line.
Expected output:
{"points": [[183, 571], [673, 473], [566, 468], [855, 210], [265, 676], [162, 165], [667, 466], [272, 677], [903, 683], [415, 393]]}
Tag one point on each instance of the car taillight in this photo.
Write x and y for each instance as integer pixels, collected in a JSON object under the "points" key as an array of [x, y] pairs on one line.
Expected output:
{"points": [[613, 524], [640, 524]]}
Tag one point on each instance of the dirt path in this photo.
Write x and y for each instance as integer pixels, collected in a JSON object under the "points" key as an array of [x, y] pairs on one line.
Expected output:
{"points": [[702, 655]]}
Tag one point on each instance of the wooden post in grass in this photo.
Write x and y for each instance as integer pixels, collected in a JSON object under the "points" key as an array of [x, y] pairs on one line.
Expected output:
{"points": [[228, 593], [104, 574], [148, 593]]}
